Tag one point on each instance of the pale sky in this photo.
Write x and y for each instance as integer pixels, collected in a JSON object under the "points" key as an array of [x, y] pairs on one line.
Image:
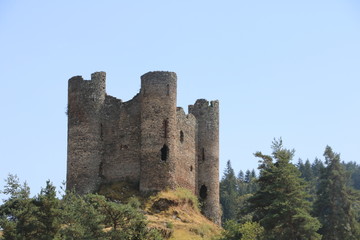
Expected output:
{"points": [[287, 69]]}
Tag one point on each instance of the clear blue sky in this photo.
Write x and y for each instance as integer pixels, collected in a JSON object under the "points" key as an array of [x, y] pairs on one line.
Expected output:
{"points": [[287, 69]]}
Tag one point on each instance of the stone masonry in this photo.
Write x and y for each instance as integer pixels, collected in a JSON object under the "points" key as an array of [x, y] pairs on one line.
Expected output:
{"points": [[147, 140]]}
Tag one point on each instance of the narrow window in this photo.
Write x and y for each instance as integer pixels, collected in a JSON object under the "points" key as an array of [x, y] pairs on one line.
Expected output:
{"points": [[165, 126], [191, 168], [203, 154], [101, 170], [167, 90], [181, 136], [164, 152], [203, 192], [101, 132]]}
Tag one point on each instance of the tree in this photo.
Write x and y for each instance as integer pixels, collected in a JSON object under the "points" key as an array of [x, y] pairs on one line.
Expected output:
{"points": [[123, 221], [18, 213], [229, 193], [242, 231], [241, 176], [80, 219], [280, 204], [48, 214], [333, 206], [305, 170]]}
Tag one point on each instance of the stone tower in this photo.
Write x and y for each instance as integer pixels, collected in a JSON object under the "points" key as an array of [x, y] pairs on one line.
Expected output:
{"points": [[147, 140], [207, 116], [158, 130], [85, 100]]}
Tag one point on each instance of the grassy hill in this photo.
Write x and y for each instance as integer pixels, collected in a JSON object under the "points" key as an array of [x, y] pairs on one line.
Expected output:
{"points": [[175, 213]]}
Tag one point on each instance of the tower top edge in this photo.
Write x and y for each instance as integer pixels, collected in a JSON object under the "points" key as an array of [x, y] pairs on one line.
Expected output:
{"points": [[159, 74]]}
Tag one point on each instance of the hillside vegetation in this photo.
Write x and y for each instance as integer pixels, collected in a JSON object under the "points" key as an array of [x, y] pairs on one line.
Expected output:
{"points": [[175, 213], [120, 212]]}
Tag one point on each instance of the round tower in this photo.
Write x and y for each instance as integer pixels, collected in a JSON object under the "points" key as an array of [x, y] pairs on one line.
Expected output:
{"points": [[85, 99], [207, 116], [158, 131]]}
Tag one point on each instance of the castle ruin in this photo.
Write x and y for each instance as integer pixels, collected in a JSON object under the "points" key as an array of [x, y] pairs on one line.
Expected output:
{"points": [[147, 140]]}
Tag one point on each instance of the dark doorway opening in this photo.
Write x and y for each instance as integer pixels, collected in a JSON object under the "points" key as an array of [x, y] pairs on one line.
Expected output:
{"points": [[203, 192], [164, 152]]}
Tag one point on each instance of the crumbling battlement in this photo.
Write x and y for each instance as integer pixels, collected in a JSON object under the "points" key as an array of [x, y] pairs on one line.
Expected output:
{"points": [[147, 140]]}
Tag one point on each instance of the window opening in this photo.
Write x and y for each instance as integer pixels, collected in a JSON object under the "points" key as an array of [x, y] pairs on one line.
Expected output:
{"points": [[165, 126], [167, 90], [101, 170], [181, 136], [203, 154], [164, 152], [191, 168], [101, 132], [203, 192]]}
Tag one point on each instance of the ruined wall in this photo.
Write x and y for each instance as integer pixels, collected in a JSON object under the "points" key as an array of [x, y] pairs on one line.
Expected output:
{"points": [[186, 166], [121, 140], [207, 116]]}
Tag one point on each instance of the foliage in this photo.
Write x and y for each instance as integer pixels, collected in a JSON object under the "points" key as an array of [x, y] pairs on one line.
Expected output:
{"points": [[245, 231], [232, 231], [229, 193], [18, 213], [232, 192], [334, 205], [80, 219], [49, 212], [251, 230], [73, 217], [280, 205]]}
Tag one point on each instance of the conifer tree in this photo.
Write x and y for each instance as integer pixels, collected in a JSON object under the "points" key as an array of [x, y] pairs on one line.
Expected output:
{"points": [[280, 204], [18, 219], [48, 214], [333, 206], [229, 193]]}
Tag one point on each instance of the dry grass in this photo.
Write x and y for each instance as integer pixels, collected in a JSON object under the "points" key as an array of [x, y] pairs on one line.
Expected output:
{"points": [[175, 213], [179, 209]]}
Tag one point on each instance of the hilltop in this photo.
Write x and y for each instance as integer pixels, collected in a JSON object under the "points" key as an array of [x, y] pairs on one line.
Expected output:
{"points": [[175, 213]]}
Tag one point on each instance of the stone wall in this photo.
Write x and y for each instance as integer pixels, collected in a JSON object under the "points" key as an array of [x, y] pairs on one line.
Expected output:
{"points": [[121, 140], [147, 140], [186, 168], [158, 131], [85, 99], [207, 115]]}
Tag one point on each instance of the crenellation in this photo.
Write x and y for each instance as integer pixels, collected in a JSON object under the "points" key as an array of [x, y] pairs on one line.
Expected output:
{"points": [[147, 140]]}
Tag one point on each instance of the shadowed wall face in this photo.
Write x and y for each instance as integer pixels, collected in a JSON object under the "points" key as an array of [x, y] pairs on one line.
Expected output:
{"points": [[85, 99]]}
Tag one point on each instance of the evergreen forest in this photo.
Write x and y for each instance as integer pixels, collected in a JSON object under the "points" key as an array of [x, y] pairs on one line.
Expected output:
{"points": [[297, 201], [72, 217]]}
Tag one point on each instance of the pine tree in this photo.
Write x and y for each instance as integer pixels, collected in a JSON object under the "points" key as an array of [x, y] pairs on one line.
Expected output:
{"points": [[333, 205], [48, 213], [241, 176], [18, 213], [280, 204], [229, 193]]}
